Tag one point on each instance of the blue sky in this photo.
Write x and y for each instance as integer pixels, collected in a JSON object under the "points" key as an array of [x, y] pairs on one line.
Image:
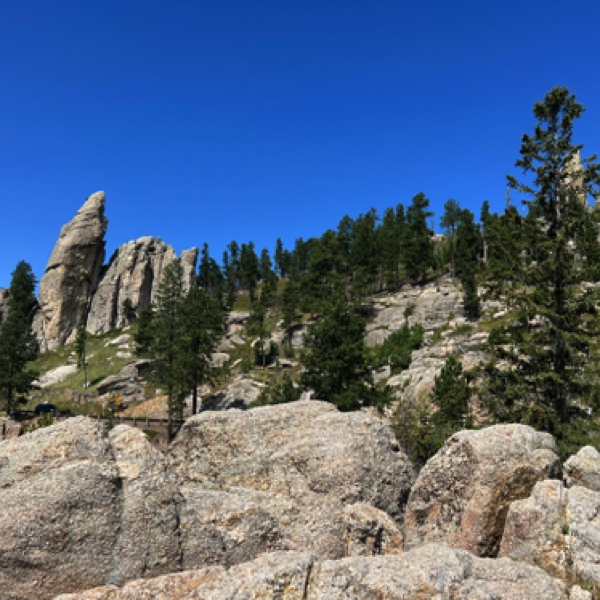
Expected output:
{"points": [[208, 121]]}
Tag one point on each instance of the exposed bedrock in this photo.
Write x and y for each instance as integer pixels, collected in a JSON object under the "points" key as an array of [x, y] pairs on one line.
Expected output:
{"points": [[72, 274]]}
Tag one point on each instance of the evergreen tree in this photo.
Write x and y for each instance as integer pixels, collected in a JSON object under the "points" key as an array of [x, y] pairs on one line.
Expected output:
{"points": [[281, 257], [323, 271], [229, 280], [389, 245], [22, 290], [210, 277], [506, 241], [268, 278], [344, 239], [468, 242], [364, 251], [418, 247], [201, 318], [249, 269], [335, 364], [536, 375], [486, 219], [289, 302], [450, 396], [166, 348], [145, 334], [449, 223], [80, 348], [18, 345]]}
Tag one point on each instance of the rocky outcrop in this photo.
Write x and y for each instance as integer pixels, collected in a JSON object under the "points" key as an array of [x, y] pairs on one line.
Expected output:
{"points": [[134, 273], [81, 508], [77, 286], [369, 531], [434, 571], [535, 528], [557, 529], [304, 445], [583, 469], [463, 493], [55, 375], [128, 383], [220, 528], [72, 274], [238, 394], [302, 462]]}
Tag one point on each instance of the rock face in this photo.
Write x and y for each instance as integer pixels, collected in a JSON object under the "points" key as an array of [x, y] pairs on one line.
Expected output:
{"points": [[72, 274], [434, 571], [80, 508], [369, 531], [128, 383], [134, 273], [76, 285], [463, 493], [557, 529], [301, 462], [220, 528], [56, 375], [238, 394], [583, 469]]}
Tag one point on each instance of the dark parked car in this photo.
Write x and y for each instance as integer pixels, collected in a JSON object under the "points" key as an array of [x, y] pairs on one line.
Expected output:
{"points": [[45, 408]]}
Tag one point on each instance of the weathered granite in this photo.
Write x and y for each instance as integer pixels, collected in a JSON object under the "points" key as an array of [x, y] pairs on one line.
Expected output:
{"points": [[463, 493], [72, 274], [583, 469]]}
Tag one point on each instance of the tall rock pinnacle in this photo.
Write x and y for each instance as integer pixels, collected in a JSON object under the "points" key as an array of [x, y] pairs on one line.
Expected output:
{"points": [[72, 274]]}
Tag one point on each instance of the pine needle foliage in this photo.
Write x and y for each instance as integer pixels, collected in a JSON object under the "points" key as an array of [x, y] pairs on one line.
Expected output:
{"points": [[538, 361]]}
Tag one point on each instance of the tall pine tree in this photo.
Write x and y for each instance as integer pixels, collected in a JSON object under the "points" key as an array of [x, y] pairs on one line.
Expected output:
{"points": [[536, 375]]}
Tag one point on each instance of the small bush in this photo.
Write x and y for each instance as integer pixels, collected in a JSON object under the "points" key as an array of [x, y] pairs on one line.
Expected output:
{"points": [[279, 391], [397, 349]]}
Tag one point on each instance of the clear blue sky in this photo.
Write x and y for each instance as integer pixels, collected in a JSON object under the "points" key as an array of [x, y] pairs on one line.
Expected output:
{"points": [[213, 120]]}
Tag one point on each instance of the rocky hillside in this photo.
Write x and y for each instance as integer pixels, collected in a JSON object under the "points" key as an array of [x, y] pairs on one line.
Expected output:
{"points": [[294, 501]]}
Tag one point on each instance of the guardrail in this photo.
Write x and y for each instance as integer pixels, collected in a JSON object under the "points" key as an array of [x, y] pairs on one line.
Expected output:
{"points": [[140, 422]]}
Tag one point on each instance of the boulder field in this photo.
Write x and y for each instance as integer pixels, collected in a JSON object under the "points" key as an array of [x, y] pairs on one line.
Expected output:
{"points": [[293, 501]]}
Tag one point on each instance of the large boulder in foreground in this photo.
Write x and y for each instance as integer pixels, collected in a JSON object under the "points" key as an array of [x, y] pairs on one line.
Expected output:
{"points": [[293, 448], [72, 274], [79, 508], [434, 571], [302, 462], [463, 493]]}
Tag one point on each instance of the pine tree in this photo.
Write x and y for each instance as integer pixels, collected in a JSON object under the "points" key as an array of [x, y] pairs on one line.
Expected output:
{"points": [[201, 318], [249, 269], [418, 248], [281, 259], [536, 375], [389, 245], [450, 395], [468, 243], [335, 364], [145, 335], [289, 302], [166, 347], [18, 345], [80, 349], [449, 223]]}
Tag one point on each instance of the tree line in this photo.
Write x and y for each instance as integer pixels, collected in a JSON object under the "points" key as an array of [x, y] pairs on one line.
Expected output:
{"points": [[542, 262]]}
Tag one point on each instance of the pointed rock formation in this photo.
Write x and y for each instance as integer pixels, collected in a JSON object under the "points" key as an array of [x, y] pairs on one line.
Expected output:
{"points": [[72, 274], [134, 273]]}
